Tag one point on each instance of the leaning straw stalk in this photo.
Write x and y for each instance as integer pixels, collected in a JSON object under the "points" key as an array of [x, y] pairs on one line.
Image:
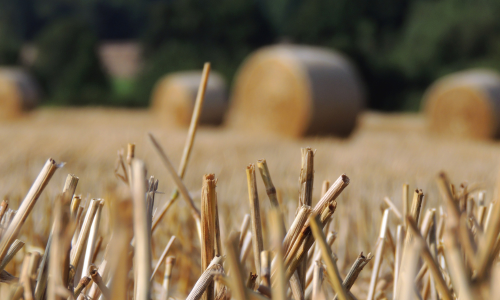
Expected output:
{"points": [[163, 256], [429, 260], [326, 253], [195, 118], [27, 205], [178, 181]]}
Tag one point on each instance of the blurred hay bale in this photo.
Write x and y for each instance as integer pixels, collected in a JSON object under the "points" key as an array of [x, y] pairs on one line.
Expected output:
{"points": [[465, 104], [18, 92], [295, 90], [174, 96]]}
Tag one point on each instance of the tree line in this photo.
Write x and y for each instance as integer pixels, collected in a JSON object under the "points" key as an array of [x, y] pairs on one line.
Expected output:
{"points": [[399, 46]]}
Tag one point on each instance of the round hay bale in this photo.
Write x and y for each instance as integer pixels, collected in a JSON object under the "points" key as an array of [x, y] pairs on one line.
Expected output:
{"points": [[295, 90], [465, 104], [18, 92], [174, 96]]}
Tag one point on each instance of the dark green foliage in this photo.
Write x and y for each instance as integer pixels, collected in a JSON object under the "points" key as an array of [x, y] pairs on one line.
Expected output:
{"points": [[446, 36], [10, 48], [184, 34], [399, 46], [67, 65]]}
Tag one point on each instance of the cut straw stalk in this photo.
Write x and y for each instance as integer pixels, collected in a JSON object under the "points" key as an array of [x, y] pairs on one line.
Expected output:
{"points": [[299, 221], [326, 253], [96, 277], [317, 279], [208, 203], [75, 204], [409, 264], [265, 269], [170, 262], [68, 192], [92, 238], [27, 205], [63, 229], [245, 249], [104, 270], [268, 183], [335, 190], [24, 278], [238, 289], [306, 181], [398, 257], [270, 188], [178, 181], [200, 97], [456, 267], [378, 255], [306, 178], [393, 207], [142, 256], [77, 249], [3, 208], [429, 260], [243, 231], [278, 289], [414, 213], [406, 205], [305, 240], [163, 256], [257, 240], [14, 248], [485, 255], [118, 251], [356, 268], [82, 284], [206, 278], [330, 238], [251, 281]]}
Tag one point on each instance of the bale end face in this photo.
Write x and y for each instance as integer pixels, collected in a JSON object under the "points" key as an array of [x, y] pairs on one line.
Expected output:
{"points": [[18, 93], [296, 90], [174, 96], [464, 105]]}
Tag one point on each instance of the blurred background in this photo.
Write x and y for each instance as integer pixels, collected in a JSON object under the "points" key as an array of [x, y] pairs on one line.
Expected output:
{"points": [[112, 52]]}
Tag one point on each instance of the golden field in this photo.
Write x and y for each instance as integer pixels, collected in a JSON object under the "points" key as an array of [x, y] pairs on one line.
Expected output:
{"points": [[383, 153]]}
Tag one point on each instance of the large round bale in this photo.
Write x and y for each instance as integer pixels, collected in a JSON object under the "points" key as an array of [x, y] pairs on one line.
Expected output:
{"points": [[295, 90], [18, 92], [465, 104], [174, 96]]}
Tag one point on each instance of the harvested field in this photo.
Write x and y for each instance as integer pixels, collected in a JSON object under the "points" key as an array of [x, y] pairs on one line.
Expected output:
{"points": [[384, 152]]}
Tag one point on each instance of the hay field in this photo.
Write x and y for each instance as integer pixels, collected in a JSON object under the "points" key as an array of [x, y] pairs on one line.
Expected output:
{"points": [[383, 153]]}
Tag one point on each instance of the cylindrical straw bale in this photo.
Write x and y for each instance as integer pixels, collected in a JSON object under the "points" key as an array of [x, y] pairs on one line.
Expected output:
{"points": [[18, 92], [294, 90], [174, 96], [465, 105]]}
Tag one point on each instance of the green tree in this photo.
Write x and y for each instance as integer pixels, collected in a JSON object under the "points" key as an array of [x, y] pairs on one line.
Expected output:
{"points": [[183, 34], [67, 65]]}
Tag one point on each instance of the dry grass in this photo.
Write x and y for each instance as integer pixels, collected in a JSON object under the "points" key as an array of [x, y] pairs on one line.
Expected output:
{"points": [[383, 154]]}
